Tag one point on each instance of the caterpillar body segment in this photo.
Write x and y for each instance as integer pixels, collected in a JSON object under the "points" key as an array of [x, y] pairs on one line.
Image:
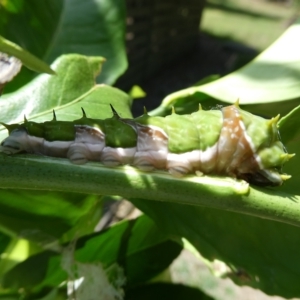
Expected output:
{"points": [[229, 142]]}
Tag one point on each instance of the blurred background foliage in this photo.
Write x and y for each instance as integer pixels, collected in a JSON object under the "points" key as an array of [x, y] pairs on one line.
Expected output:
{"points": [[255, 24], [231, 33]]}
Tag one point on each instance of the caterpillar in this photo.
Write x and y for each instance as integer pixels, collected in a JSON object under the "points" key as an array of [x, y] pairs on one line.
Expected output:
{"points": [[228, 141]]}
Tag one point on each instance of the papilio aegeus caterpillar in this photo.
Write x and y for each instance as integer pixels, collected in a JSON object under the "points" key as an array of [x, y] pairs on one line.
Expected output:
{"points": [[229, 141]]}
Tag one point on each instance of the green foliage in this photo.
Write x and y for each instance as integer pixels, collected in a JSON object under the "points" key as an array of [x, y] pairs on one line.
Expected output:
{"points": [[259, 23], [264, 250], [141, 257], [272, 77], [51, 28], [54, 206], [27, 59]]}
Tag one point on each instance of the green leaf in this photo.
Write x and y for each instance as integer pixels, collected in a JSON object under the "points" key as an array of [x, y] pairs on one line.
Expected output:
{"points": [[4, 241], [28, 60], [264, 252], [51, 28], [272, 77], [138, 246], [54, 294], [44, 217], [289, 127], [34, 263], [163, 291]]}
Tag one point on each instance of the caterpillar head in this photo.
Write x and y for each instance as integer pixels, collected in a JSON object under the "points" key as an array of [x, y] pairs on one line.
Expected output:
{"points": [[265, 177]]}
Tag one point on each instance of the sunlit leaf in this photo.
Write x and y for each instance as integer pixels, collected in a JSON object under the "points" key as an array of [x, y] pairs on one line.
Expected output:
{"points": [[272, 77]]}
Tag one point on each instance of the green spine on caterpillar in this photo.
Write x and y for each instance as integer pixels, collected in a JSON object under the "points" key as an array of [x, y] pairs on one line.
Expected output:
{"points": [[118, 134]]}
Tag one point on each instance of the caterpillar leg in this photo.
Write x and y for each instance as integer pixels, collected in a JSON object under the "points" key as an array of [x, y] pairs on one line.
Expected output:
{"points": [[20, 141], [88, 145], [181, 164], [9, 146], [150, 160], [78, 153], [112, 157]]}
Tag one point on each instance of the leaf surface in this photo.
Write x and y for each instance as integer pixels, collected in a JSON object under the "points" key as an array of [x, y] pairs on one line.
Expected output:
{"points": [[272, 77], [261, 253], [138, 246], [4, 241], [44, 217]]}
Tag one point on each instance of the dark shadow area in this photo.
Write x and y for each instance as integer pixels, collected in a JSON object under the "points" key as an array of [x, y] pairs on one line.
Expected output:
{"points": [[164, 291], [210, 56]]}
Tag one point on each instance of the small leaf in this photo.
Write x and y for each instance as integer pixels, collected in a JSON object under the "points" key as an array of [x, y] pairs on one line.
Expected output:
{"points": [[28, 60], [289, 127]]}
